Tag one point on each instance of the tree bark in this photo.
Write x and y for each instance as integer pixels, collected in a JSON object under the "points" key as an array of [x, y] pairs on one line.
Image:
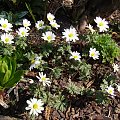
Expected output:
{"points": [[86, 10]]}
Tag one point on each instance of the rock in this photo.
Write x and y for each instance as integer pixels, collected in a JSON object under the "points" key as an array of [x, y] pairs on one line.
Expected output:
{"points": [[8, 118]]}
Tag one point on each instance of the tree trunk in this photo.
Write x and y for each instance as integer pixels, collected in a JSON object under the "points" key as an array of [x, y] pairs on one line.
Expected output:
{"points": [[83, 11]]}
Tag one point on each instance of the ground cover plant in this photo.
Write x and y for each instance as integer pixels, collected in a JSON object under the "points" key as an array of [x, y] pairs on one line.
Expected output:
{"points": [[51, 73]]}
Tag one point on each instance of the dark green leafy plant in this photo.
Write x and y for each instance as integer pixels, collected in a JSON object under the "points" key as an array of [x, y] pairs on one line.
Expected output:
{"points": [[106, 45], [14, 18], [101, 98], [9, 76]]}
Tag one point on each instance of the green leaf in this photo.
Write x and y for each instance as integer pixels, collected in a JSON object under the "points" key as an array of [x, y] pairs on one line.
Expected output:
{"points": [[6, 77], [1, 77], [30, 11], [4, 67], [8, 62], [21, 14], [1, 88], [13, 65], [15, 79]]}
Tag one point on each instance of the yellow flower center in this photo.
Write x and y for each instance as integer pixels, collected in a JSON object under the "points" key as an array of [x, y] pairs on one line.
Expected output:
{"points": [[70, 35], [32, 61], [49, 38], [50, 18], [26, 25], [43, 78], [75, 57], [23, 33], [4, 25], [110, 91], [6, 39], [101, 24], [35, 106], [54, 25], [93, 54], [40, 25]]}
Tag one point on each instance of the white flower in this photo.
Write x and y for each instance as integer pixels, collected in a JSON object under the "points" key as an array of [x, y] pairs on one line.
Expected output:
{"points": [[7, 38], [110, 90], [42, 78], [39, 25], [93, 53], [35, 63], [70, 34], [35, 106], [26, 23], [102, 24], [54, 24], [115, 67], [50, 17], [48, 36], [31, 81], [75, 55], [22, 32], [5, 25], [118, 87], [90, 27]]}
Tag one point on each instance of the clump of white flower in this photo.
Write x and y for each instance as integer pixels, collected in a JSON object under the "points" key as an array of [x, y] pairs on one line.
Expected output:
{"points": [[54, 24], [75, 55], [50, 17], [70, 34], [110, 90], [23, 32], [35, 106], [26, 24], [48, 36], [35, 63], [42, 78], [102, 24], [115, 67], [39, 25], [93, 53], [90, 27], [5, 25], [7, 38]]}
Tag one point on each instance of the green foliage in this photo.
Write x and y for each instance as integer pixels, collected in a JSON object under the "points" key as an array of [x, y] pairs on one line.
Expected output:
{"points": [[83, 69], [36, 9], [14, 18], [57, 72], [55, 61], [21, 43], [58, 102], [106, 45], [101, 98], [72, 88], [9, 76], [30, 11], [109, 80], [6, 50], [46, 49]]}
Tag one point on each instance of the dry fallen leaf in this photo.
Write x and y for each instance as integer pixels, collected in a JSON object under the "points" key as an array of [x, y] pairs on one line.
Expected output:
{"points": [[2, 103]]}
